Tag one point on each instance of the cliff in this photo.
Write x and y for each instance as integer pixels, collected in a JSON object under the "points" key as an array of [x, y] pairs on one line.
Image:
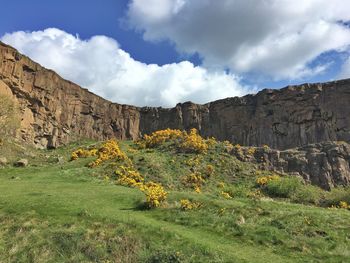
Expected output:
{"points": [[55, 111]]}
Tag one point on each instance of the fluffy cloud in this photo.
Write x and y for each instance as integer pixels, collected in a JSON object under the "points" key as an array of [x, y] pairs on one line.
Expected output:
{"points": [[100, 65], [276, 38]]}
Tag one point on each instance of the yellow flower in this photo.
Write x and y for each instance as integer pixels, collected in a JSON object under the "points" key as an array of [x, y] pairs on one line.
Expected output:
{"points": [[226, 195], [263, 180], [188, 205]]}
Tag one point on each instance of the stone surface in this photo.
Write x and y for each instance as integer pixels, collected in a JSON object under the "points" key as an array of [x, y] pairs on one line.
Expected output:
{"points": [[21, 163], [3, 161], [55, 111], [324, 164]]}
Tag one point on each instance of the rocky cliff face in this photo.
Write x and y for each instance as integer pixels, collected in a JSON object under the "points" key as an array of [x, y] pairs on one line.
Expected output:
{"points": [[286, 118], [55, 111], [325, 164]]}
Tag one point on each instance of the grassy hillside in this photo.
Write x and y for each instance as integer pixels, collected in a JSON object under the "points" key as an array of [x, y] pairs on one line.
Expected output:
{"points": [[57, 210]]}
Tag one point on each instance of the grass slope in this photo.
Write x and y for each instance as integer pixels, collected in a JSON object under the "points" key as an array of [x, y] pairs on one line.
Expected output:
{"points": [[66, 212]]}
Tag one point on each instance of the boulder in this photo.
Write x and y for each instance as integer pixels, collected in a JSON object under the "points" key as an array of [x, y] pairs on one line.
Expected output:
{"points": [[21, 163], [3, 161]]}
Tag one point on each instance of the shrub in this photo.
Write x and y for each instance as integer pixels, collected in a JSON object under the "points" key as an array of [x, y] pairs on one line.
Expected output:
{"points": [[308, 194], [336, 195], [155, 194], [159, 137], [193, 142], [109, 150], [263, 180], [251, 151], [189, 205], [194, 180], [187, 142], [283, 187], [82, 153], [128, 176]]}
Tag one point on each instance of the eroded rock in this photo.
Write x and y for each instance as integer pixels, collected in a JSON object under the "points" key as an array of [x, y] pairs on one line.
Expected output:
{"points": [[324, 164], [21, 163]]}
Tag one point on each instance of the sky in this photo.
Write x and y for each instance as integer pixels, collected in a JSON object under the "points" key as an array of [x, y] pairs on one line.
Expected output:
{"points": [[162, 52]]}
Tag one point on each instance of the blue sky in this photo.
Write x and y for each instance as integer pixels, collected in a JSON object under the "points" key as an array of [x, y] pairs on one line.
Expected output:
{"points": [[163, 52]]}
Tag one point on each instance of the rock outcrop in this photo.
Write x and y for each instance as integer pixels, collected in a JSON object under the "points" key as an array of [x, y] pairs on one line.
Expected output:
{"points": [[55, 111], [324, 164]]}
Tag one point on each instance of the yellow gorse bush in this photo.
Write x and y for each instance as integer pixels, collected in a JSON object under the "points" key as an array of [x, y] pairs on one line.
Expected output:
{"points": [[344, 205], [82, 153], [251, 151], [263, 180], [194, 180], [155, 194], [127, 176], [183, 141], [193, 142], [109, 150], [189, 205], [159, 137]]}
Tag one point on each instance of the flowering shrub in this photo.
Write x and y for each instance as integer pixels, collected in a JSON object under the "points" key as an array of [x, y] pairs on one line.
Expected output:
{"points": [[344, 205], [266, 147], [159, 137], [237, 149], [127, 176], [193, 142], [194, 180], [251, 151], [193, 162], [187, 142], [155, 194], [109, 150], [211, 142], [228, 146], [82, 153], [188, 205], [261, 181]]}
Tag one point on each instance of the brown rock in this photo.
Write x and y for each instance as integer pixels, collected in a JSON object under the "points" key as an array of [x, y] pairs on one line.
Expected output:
{"points": [[56, 111], [21, 163], [3, 161], [324, 164]]}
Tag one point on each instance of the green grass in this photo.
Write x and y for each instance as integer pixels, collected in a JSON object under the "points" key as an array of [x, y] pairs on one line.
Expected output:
{"points": [[66, 212]]}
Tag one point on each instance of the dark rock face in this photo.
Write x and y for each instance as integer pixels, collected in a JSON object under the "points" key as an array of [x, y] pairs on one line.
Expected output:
{"points": [[55, 111], [324, 164], [286, 118]]}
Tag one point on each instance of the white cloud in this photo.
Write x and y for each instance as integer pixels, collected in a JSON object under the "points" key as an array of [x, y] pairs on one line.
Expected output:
{"points": [[101, 66], [277, 38]]}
